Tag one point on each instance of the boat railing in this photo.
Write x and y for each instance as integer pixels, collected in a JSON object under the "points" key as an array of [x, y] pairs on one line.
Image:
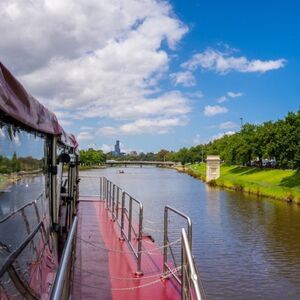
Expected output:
{"points": [[62, 281], [9, 263], [190, 287], [124, 208], [167, 245], [187, 277], [128, 213]]}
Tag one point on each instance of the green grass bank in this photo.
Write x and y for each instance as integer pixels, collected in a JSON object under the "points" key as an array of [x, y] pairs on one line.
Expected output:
{"points": [[274, 183], [3, 182], [83, 168]]}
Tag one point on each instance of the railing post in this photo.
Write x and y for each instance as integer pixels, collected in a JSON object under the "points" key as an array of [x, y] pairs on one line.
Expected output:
{"points": [[110, 195], [63, 271], [140, 239], [165, 257], [107, 193], [184, 291], [113, 201], [190, 236], [117, 206], [100, 190], [189, 274], [122, 215], [105, 189], [130, 218]]}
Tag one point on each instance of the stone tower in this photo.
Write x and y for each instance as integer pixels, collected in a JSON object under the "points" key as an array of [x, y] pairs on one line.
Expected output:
{"points": [[212, 167]]}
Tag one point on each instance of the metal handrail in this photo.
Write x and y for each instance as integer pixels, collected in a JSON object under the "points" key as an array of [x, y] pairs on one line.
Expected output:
{"points": [[127, 236], [61, 276], [188, 271], [166, 267], [111, 195]]}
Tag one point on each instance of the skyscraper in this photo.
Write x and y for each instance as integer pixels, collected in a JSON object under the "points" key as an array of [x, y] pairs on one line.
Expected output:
{"points": [[117, 148]]}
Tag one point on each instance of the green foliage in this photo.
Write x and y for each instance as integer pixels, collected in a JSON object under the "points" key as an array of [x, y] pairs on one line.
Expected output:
{"points": [[278, 140], [17, 164], [92, 157]]}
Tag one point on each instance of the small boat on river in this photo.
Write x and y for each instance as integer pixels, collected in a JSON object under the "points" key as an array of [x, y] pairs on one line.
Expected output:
{"points": [[58, 243]]}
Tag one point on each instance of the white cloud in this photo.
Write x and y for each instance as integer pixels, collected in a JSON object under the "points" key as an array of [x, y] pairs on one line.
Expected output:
{"points": [[220, 135], [185, 78], [106, 148], [64, 122], [86, 128], [210, 111], [85, 135], [168, 104], [224, 62], [196, 94], [221, 99], [230, 95], [104, 61], [197, 140], [143, 126], [234, 95], [227, 125]]}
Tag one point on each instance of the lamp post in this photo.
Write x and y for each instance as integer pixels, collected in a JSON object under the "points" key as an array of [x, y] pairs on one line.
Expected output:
{"points": [[241, 122]]}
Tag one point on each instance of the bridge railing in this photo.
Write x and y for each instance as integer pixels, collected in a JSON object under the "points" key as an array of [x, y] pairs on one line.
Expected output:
{"points": [[138, 162]]}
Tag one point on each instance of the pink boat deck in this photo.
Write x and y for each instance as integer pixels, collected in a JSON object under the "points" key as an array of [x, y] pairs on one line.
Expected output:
{"points": [[105, 268]]}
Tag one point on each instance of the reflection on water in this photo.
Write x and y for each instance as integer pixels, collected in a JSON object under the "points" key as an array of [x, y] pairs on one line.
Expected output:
{"points": [[23, 191], [245, 247]]}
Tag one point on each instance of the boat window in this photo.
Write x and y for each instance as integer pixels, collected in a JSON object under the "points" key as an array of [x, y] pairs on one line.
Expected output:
{"points": [[24, 204], [60, 185]]}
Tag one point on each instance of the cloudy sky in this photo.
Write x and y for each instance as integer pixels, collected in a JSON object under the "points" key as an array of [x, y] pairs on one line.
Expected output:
{"points": [[155, 74]]}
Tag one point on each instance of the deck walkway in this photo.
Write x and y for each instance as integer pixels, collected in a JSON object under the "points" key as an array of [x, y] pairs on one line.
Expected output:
{"points": [[103, 274]]}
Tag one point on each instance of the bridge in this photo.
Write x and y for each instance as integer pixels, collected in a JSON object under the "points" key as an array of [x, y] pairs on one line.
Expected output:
{"points": [[140, 163]]}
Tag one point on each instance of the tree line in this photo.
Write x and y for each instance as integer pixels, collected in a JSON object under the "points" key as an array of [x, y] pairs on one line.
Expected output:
{"points": [[278, 141], [17, 164], [91, 157]]}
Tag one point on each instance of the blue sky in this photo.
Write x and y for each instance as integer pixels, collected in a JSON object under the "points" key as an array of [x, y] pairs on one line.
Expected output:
{"points": [[155, 74]]}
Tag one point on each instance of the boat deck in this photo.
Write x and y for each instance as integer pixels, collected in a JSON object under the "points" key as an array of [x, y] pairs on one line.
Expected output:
{"points": [[105, 267]]}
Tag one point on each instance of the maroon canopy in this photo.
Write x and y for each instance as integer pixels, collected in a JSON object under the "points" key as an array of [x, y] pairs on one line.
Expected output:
{"points": [[18, 104], [68, 140]]}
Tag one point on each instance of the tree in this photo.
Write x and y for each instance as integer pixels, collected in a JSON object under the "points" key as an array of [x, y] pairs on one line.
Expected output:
{"points": [[92, 157]]}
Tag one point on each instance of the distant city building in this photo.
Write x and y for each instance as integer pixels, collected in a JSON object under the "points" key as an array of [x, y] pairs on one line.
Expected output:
{"points": [[117, 148]]}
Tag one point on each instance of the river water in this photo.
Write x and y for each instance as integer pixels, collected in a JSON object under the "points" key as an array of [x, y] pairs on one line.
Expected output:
{"points": [[245, 247]]}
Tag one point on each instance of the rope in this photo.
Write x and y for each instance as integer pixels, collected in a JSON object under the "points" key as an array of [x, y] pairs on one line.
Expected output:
{"points": [[120, 251], [132, 278], [152, 222], [143, 285], [152, 229]]}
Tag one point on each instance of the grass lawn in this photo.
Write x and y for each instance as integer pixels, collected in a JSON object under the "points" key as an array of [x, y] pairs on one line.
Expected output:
{"points": [[3, 182], [83, 168], [275, 183]]}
